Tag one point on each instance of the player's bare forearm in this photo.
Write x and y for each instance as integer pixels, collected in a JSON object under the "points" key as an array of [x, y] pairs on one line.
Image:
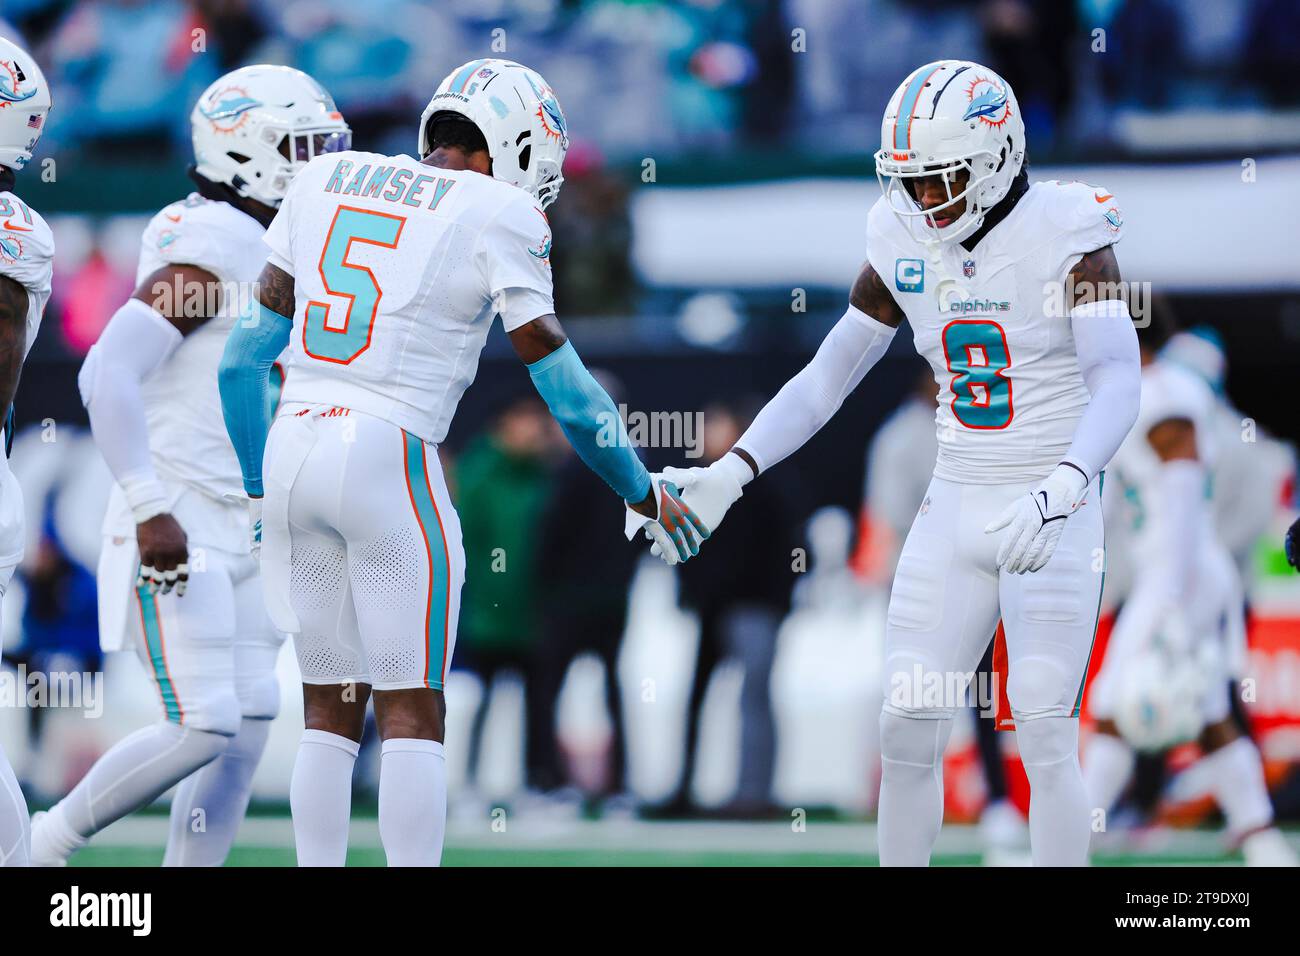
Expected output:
{"points": [[275, 290], [1095, 278], [13, 337], [537, 339], [870, 295], [186, 296]]}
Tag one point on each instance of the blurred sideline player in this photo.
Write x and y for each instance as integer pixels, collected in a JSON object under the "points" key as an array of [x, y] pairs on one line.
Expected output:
{"points": [[1013, 293], [387, 271], [176, 579], [1254, 469], [900, 462], [26, 267], [1166, 676]]}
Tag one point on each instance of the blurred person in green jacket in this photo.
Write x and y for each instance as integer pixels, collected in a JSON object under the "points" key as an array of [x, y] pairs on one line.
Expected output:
{"points": [[503, 479]]}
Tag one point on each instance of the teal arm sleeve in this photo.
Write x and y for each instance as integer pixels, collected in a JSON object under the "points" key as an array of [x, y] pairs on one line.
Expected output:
{"points": [[590, 421], [244, 377]]}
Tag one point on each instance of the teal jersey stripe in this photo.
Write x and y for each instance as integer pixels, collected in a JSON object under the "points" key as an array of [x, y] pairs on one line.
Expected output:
{"points": [[1078, 701], [426, 513], [153, 640], [907, 106]]}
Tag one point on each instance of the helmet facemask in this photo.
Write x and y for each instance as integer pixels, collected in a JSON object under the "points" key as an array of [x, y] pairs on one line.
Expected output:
{"points": [[295, 147], [946, 117], [896, 171]]}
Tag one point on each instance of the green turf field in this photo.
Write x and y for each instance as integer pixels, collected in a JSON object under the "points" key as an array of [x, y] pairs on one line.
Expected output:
{"points": [[268, 841]]}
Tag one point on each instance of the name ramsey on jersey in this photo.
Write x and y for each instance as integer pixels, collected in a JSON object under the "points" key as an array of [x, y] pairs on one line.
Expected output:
{"points": [[450, 249]]}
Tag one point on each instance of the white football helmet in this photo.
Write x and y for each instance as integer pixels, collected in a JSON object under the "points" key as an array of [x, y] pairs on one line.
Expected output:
{"points": [[1161, 688], [24, 104], [519, 117], [258, 125], [949, 116]]}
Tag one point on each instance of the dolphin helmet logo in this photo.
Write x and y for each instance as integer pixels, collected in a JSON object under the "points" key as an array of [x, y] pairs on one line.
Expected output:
{"points": [[989, 102], [12, 79], [227, 109], [549, 112]]}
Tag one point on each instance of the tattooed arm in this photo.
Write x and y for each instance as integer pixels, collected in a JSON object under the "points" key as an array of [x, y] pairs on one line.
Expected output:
{"points": [[13, 337], [275, 290], [870, 295], [1095, 278]]}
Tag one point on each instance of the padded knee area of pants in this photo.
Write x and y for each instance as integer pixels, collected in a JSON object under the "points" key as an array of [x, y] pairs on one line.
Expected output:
{"points": [[1037, 686], [913, 741], [1047, 741], [256, 684], [205, 745], [259, 697], [913, 683], [219, 715]]}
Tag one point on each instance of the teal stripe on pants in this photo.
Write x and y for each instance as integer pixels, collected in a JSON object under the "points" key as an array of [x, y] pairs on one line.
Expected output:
{"points": [[154, 643], [1078, 701], [426, 513]]}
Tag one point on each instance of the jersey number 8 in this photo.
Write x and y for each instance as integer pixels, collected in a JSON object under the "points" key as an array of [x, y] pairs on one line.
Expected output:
{"points": [[335, 341], [977, 355]]}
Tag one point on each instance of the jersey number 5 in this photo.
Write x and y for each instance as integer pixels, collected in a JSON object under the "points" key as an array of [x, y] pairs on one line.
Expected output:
{"points": [[340, 331], [977, 355]]}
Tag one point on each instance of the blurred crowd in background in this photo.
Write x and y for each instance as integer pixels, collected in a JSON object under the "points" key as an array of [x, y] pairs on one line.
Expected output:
{"points": [[711, 90], [666, 75], [714, 91]]}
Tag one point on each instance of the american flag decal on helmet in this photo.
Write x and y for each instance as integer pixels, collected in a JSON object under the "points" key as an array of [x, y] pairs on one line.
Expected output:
{"points": [[34, 121]]}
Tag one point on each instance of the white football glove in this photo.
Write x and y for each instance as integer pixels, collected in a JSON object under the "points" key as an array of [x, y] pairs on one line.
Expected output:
{"points": [[1034, 521], [675, 530], [710, 492], [255, 527]]}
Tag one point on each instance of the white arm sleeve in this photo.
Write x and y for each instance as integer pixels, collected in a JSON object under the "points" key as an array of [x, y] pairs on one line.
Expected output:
{"points": [[1107, 349], [134, 343], [808, 400]]}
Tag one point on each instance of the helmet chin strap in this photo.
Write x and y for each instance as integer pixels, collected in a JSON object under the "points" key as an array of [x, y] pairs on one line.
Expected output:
{"points": [[223, 192], [1019, 186]]}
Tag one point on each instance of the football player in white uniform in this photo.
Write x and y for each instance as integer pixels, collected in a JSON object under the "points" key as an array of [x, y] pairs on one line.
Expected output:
{"points": [[1167, 676], [177, 582], [26, 267], [384, 275], [1255, 470], [1012, 292]]}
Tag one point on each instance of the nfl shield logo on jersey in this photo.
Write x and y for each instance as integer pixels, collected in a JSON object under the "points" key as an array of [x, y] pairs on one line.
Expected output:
{"points": [[968, 268]]}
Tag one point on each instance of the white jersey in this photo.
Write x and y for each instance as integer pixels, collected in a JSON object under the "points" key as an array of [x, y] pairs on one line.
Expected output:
{"points": [[187, 433], [994, 325], [399, 268], [1168, 392], [27, 257], [188, 444]]}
